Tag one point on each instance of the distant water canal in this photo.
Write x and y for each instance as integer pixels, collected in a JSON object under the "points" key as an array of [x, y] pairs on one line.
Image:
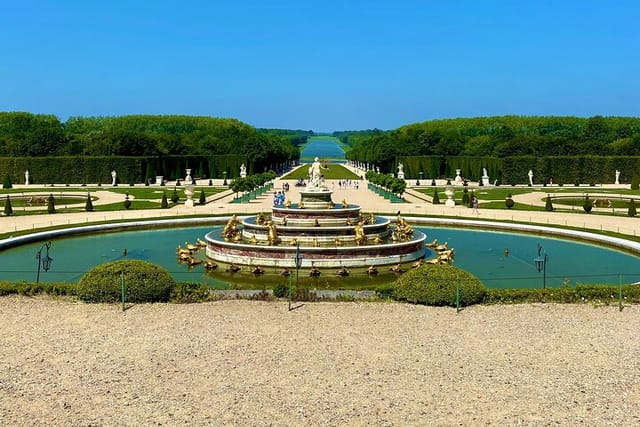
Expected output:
{"points": [[322, 147], [500, 260]]}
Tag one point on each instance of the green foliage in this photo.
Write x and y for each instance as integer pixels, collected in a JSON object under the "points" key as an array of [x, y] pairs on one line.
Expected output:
{"points": [[8, 209], [165, 203], [174, 196], [7, 182], [436, 285], [436, 197], [190, 293], [509, 203], [203, 198], [33, 288], [465, 197], [88, 206], [635, 182], [127, 201], [548, 206], [632, 208], [51, 204], [587, 205], [281, 290], [144, 282], [599, 294]]}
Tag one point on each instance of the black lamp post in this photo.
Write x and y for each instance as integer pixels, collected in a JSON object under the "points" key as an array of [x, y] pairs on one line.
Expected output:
{"points": [[224, 174], [541, 265], [298, 261], [420, 177], [45, 261]]}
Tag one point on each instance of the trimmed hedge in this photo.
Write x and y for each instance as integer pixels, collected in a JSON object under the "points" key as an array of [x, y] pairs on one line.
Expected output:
{"points": [[436, 285], [144, 282]]}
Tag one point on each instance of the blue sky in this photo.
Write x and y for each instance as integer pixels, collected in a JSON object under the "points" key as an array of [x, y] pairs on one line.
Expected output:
{"points": [[321, 65]]}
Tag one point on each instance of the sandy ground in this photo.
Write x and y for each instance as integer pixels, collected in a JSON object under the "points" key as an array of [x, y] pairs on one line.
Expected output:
{"points": [[256, 364]]}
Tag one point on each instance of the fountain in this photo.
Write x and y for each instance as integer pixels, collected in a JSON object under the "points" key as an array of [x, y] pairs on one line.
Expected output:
{"points": [[327, 234]]}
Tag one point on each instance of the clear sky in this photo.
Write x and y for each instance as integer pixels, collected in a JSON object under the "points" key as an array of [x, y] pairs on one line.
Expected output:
{"points": [[321, 65]]}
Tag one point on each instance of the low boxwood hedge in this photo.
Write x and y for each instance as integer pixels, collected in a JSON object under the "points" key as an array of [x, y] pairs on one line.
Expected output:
{"points": [[144, 282], [436, 285]]}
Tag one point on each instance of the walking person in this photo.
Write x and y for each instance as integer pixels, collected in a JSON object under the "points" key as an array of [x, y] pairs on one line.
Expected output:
{"points": [[474, 204]]}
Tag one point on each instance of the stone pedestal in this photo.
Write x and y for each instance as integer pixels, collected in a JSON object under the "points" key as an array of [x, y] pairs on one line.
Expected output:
{"points": [[458, 177], [485, 180], [188, 191], [159, 179], [449, 193]]}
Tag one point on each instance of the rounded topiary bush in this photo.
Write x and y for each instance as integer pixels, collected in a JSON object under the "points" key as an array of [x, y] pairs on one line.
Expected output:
{"points": [[144, 282], [436, 285]]}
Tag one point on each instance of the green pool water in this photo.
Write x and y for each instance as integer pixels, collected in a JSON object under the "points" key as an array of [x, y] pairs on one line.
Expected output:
{"points": [[479, 252]]}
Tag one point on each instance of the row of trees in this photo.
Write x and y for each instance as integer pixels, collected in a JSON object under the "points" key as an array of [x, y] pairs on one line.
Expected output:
{"points": [[38, 135], [505, 136]]}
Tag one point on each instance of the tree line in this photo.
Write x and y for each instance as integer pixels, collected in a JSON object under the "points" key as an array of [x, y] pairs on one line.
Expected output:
{"points": [[38, 135], [501, 137]]}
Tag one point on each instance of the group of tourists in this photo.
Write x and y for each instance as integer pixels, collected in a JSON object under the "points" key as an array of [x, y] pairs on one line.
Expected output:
{"points": [[278, 198]]}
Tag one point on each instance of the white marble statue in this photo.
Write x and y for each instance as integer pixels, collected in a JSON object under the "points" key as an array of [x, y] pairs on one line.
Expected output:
{"points": [[26, 177], [400, 171], [243, 171], [315, 174], [485, 177], [458, 176], [113, 177], [530, 174], [617, 177], [188, 179]]}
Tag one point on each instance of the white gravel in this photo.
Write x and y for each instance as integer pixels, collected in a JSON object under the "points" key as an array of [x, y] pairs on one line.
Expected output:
{"points": [[256, 364]]}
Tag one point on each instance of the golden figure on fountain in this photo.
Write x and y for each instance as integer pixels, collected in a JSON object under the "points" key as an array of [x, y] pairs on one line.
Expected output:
{"points": [[361, 237], [230, 230], [273, 234]]}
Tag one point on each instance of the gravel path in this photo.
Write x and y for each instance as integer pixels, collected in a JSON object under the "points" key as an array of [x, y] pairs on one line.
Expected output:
{"points": [[254, 363]]}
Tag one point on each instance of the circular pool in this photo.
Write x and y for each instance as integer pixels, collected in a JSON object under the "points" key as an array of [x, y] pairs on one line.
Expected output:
{"points": [[499, 259]]}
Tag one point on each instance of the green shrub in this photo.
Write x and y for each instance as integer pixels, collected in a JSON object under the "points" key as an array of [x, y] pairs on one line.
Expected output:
{"points": [[89, 205], [51, 204], [635, 182], [203, 198], [33, 288], [190, 293], [548, 206], [436, 197], [144, 282], [508, 202], [7, 182], [127, 201], [465, 197], [436, 285], [281, 290], [630, 212], [174, 196], [165, 203], [8, 209], [587, 205]]}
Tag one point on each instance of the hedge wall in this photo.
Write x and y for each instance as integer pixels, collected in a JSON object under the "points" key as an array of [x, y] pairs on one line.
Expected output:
{"points": [[93, 170], [515, 170]]}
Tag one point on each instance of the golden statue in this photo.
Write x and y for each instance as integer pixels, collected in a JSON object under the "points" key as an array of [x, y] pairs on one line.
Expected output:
{"points": [[230, 230], [273, 234], [260, 219], [301, 205], [361, 237], [287, 203], [372, 218], [377, 240], [345, 204], [315, 242]]}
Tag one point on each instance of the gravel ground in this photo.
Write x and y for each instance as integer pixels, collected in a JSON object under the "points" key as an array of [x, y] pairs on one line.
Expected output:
{"points": [[254, 363]]}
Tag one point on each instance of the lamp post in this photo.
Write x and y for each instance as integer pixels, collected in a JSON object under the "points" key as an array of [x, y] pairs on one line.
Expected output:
{"points": [[420, 178], [541, 265], [224, 174], [298, 261], [45, 261]]}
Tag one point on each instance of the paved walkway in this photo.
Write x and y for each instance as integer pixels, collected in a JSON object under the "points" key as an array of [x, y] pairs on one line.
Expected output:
{"points": [[220, 204]]}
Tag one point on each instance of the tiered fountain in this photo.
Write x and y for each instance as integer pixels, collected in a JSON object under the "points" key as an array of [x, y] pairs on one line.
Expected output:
{"points": [[326, 234]]}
